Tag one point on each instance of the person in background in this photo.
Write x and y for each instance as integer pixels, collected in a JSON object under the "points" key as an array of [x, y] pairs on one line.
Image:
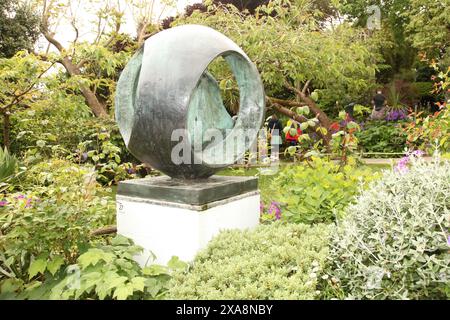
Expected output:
{"points": [[379, 106], [275, 127], [292, 140], [349, 109]]}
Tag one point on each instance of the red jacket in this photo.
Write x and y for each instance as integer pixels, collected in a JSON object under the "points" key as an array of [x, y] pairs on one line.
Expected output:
{"points": [[295, 138]]}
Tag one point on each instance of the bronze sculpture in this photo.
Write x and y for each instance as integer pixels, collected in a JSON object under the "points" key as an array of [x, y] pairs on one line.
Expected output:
{"points": [[166, 87]]}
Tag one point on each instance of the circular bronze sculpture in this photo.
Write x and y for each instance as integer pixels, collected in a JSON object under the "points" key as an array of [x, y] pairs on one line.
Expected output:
{"points": [[166, 89]]}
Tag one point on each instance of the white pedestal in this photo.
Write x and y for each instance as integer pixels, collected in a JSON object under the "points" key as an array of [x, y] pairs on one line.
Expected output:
{"points": [[172, 229]]}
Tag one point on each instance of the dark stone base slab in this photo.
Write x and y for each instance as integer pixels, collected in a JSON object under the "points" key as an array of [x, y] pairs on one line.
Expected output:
{"points": [[193, 192]]}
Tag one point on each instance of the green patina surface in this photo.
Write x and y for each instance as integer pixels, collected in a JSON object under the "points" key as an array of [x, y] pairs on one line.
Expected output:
{"points": [[206, 111]]}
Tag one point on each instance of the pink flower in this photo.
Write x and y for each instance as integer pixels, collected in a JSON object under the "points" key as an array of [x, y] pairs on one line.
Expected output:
{"points": [[3, 203]]}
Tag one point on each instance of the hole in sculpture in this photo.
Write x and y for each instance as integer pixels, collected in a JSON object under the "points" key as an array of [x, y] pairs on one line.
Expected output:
{"points": [[229, 90], [214, 104]]}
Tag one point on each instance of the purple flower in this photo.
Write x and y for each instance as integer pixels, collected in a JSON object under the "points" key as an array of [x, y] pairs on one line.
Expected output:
{"points": [[20, 197], [448, 241], [274, 208], [402, 165], [3, 203], [28, 204], [343, 123], [261, 207], [396, 115], [417, 153]]}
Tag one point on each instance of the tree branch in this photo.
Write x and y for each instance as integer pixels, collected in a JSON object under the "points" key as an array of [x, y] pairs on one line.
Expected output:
{"points": [[18, 96], [103, 231], [305, 87], [291, 114]]}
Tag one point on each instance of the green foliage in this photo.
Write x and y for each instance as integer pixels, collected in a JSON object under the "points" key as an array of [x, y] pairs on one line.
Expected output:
{"points": [[36, 135], [430, 132], [393, 243], [428, 26], [101, 69], [318, 192], [19, 80], [8, 164], [103, 147], [291, 48], [422, 89], [361, 112], [109, 272], [394, 98], [383, 137], [273, 261], [102, 272], [344, 142], [306, 147], [433, 131], [398, 53], [59, 205], [19, 27]]}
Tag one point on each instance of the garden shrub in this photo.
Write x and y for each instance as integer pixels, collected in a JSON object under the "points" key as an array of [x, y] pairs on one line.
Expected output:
{"points": [[431, 132], [37, 131], [105, 271], [275, 261], [422, 89], [383, 137], [37, 136], [394, 242], [58, 205], [318, 192]]}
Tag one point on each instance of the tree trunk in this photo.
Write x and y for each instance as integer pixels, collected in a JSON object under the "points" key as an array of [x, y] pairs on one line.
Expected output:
{"points": [[323, 118], [92, 101]]}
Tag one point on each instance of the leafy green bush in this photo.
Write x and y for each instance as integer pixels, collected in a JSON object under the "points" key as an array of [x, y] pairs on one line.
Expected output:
{"points": [[275, 261], [430, 132], [318, 192], [102, 272], [382, 136], [58, 206], [422, 89], [38, 132], [394, 243], [37, 136]]}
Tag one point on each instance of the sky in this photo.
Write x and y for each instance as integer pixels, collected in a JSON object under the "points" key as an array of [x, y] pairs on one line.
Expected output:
{"points": [[84, 12]]}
